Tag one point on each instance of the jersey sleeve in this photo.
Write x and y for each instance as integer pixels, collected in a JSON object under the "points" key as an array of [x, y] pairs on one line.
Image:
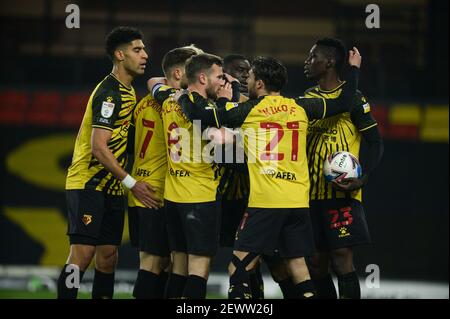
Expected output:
{"points": [[233, 114], [162, 92], [361, 115], [106, 106]]}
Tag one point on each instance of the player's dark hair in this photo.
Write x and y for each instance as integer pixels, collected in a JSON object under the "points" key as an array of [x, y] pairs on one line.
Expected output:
{"points": [[229, 59], [336, 49], [200, 63], [119, 36], [175, 57], [271, 71]]}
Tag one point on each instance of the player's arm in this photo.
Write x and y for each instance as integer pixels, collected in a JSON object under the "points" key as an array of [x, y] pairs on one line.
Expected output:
{"points": [[105, 112], [367, 126], [235, 87], [319, 108]]}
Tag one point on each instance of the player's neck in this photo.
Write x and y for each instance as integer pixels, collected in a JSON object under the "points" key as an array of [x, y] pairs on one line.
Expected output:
{"points": [[329, 82], [122, 75], [173, 83], [199, 89]]}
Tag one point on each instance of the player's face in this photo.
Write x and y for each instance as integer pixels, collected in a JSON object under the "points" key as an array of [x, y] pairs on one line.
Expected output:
{"points": [[315, 64], [135, 57], [251, 84], [240, 70], [215, 81]]}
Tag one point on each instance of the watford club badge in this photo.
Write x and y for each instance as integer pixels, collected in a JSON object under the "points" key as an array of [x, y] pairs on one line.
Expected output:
{"points": [[87, 219]]}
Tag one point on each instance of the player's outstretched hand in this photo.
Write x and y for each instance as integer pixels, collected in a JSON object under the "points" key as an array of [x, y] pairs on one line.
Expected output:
{"points": [[179, 93], [348, 184], [146, 194], [225, 91], [354, 58]]}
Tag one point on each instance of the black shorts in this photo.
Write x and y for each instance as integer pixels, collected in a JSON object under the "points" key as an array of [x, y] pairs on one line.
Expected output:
{"points": [[95, 218], [232, 212], [338, 223], [263, 230], [193, 228], [148, 230]]}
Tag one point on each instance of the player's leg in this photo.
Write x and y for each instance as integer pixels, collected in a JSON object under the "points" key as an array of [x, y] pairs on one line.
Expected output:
{"points": [[350, 229], [153, 253], [107, 250], [177, 245], [280, 274], [239, 269], [296, 242], [202, 225], [348, 282], [319, 267], [84, 213], [257, 234], [80, 257], [320, 263]]}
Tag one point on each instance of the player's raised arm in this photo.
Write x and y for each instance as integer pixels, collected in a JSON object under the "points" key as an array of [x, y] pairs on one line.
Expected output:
{"points": [[319, 108]]}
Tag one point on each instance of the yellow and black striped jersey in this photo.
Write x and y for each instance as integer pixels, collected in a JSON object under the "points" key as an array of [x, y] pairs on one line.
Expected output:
{"points": [[150, 162], [338, 133], [110, 107], [192, 176]]}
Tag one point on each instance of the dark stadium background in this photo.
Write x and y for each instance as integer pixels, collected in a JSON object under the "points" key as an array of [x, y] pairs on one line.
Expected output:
{"points": [[48, 71]]}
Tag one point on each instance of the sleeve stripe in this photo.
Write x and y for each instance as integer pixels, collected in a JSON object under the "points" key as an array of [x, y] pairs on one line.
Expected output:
{"points": [[324, 107], [370, 126], [215, 117], [156, 87], [104, 127]]}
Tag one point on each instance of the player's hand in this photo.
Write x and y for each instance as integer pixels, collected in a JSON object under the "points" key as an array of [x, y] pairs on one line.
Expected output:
{"points": [[354, 58], [178, 94], [348, 184], [146, 194], [225, 91]]}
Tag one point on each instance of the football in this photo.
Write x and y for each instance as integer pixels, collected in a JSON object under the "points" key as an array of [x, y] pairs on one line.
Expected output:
{"points": [[341, 165]]}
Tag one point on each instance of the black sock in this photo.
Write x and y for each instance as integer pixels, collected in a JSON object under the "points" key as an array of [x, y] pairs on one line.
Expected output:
{"points": [[63, 291], [349, 286], [195, 288], [325, 288], [103, 286], [257, 283], [240, 285], [304, 289], [146, 285], [175, 286], [162, 283], [288, 289]]}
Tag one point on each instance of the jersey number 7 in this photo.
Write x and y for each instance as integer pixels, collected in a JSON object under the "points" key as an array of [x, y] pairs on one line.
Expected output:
{"points": [[148, 136]]}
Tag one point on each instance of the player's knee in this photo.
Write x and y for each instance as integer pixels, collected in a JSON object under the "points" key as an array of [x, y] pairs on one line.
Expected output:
{"points": [[318, 265], [151, 263], [279, 271], [342, 260], [199, 265], [106, 259], [81, 255]]}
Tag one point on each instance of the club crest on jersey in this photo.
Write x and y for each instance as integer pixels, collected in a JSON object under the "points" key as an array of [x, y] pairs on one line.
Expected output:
{"points": [[87, 219], [107, 108], [366, 108], [230, 105]]}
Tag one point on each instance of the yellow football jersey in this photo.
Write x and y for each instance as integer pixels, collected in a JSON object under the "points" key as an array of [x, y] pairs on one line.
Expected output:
{"points": [[150, 162], [338, 133], [110, 107], [192, 176]]}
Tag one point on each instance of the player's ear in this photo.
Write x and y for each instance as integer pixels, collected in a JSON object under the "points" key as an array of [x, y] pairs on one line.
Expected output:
{"points": [[259, 84], [203, 78], [177, 74], [119, 55], [330, 63]]}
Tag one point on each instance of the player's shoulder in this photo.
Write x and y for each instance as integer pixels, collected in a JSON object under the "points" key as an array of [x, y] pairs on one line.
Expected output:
{"points": [[147, 105], [108, 87]]}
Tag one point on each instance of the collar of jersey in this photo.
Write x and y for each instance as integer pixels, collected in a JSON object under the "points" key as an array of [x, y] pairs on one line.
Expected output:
{"points": [[332, 90], [126, 87]]}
